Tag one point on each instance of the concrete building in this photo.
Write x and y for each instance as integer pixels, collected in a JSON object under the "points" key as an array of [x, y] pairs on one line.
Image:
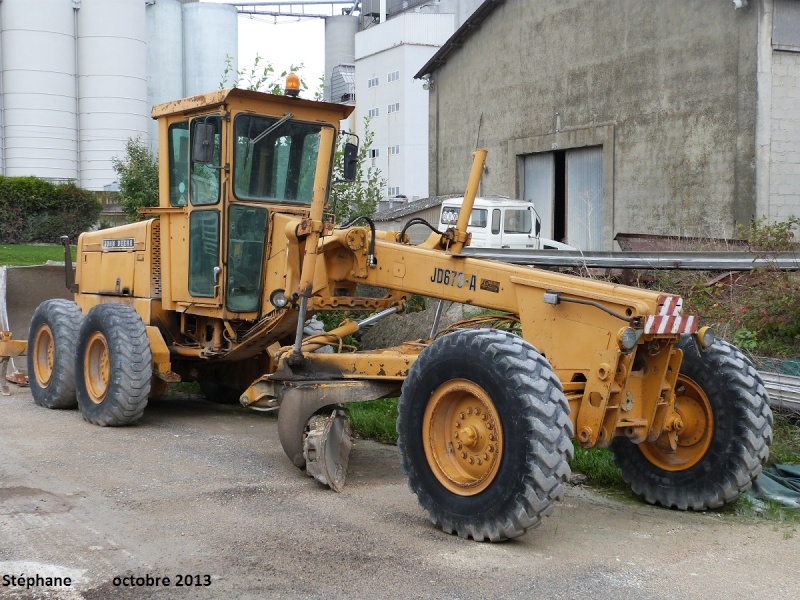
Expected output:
{"points": [[624, 116]]}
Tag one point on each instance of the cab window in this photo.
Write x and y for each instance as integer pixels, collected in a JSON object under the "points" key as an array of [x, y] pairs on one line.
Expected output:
{"points": [[517, 221], [178, 140], [205, 178], [275, 162]]}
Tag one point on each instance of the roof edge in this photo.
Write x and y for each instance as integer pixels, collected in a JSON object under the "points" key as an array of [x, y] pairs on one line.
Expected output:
{"points": [[461, 34]]}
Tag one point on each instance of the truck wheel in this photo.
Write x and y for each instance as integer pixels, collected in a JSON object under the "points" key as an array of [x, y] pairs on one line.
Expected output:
{"points": [[484, 434], [52, 340], [726, 434], [113, 365]]}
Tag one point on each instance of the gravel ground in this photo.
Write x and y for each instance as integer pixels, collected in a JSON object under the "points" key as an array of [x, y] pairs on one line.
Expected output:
{"points": [[205, 491]]}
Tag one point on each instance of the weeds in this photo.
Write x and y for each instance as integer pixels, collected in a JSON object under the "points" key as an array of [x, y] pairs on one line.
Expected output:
{"points": [[375, 419]]}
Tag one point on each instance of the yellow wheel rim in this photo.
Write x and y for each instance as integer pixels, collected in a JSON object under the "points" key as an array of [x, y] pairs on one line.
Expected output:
{"points": [[694, 436], [96, 367], [462, 437], [43, 355]]}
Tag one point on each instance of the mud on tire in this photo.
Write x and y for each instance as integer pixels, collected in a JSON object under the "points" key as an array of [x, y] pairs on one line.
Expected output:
{"points": [[52, 341], [740, 440], [521, 471], [113, 366]]}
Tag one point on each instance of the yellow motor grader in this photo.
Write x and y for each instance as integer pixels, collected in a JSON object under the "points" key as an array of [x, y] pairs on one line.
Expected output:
{"points": [[217, 284]]}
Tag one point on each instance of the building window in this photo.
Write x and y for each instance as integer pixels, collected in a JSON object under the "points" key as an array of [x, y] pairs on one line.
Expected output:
{"points": [[373, 112], [392, 108], [394, 190], [373, 82], [374, 153], [394, 150], [393, 76]]}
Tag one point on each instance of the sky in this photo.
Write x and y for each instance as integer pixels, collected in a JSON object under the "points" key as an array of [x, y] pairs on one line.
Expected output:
{"points": [[284, 41]]}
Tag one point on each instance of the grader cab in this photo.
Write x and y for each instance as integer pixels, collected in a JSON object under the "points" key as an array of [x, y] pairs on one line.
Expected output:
{"points": [[217, 284]]}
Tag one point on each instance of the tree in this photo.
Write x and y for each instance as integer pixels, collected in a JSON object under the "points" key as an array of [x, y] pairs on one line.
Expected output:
{"points": [[138, 178], [258, 78], [359, 197]]}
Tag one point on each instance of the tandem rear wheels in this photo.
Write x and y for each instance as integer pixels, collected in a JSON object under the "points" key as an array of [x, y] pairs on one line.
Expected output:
{"points": [[100, 362]]}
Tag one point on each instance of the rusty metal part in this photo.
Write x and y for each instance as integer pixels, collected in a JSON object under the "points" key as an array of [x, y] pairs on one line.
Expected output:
{"points": [[462, 437], [326, 448], [687, 434], [299, 401]]}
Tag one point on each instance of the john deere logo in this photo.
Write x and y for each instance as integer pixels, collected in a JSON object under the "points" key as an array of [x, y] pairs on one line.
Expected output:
{"points": [[118, 244]]}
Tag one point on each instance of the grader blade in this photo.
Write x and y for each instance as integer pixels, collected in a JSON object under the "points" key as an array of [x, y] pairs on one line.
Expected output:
{"points": [[22, 289], [326, 448]]}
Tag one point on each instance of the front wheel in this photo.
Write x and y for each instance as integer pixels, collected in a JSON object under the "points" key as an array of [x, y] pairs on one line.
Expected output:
{"points": [[725, 438], [484, 434], [113, 366]]}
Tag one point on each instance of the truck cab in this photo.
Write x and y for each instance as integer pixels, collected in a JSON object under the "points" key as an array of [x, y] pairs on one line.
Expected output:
{"points": [[500, 222]]}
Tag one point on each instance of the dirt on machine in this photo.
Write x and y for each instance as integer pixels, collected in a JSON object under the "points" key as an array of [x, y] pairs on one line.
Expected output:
{"points": [[219, 281]]}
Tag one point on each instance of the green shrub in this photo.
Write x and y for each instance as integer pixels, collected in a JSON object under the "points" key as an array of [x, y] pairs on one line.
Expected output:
{"points": [[36, 211]]}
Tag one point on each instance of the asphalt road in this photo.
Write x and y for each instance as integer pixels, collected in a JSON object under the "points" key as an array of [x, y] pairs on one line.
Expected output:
{"points": [[199, 492]]}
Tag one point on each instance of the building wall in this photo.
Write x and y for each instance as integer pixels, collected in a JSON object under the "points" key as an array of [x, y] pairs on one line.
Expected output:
{"points": [[784, 172], [401, 45], [666, 88]]}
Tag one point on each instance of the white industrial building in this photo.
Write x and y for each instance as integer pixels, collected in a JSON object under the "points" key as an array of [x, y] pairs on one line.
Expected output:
{"points": [[78, 78], [370, 61]]}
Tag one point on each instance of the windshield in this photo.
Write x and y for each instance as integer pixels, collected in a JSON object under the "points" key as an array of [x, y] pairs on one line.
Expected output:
{"points": [[277, 165], [478, 218]]}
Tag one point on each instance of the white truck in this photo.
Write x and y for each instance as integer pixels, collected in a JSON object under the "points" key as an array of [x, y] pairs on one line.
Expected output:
{"points": [[500, 222]]}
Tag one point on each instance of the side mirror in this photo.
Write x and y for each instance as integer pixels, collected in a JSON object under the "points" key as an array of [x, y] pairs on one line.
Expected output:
{"points": [[538, 226], [350, 161], [203, 144]]}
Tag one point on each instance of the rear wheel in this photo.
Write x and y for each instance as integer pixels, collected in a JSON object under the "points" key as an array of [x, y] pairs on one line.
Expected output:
{"points": [[724, 440], [52, 340], [484, 434], [113, 365]]}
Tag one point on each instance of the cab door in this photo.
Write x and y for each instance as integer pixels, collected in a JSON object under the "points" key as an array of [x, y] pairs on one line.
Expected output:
{"points": [[194, 231]]}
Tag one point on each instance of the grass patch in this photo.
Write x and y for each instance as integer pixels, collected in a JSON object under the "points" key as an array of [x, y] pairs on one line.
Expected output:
{"points": [[375, 419], [24, 255], [597, 464]]}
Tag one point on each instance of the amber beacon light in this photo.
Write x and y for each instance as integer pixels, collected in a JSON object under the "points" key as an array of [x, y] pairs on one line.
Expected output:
{"points": [[292, 87]]}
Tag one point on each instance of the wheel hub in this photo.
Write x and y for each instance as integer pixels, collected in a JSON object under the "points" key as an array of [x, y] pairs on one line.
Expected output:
{"points": [[97, 367], [689, 437], [462, 437], [44, 355]]}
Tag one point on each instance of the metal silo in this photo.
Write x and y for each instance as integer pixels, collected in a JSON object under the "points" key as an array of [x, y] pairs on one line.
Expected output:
{"points": [[340, 47], [112, 84], [210, 34], [37, 62], [164, 58]]}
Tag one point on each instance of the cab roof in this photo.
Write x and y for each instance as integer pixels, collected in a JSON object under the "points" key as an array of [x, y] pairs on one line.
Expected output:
{"points": [[203, 102]]}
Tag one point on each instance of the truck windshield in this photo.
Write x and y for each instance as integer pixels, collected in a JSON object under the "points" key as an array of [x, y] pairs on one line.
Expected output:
{"points": [[278, 166], [478, 218]]}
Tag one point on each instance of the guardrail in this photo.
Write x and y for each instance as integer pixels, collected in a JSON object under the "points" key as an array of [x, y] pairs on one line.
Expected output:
{"points": [[693, 261], [783, 390]]}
